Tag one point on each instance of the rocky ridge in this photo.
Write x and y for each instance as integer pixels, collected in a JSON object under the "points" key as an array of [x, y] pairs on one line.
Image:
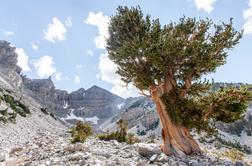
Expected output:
{"points": [[94, 104], [51, 149], [82, 104]]}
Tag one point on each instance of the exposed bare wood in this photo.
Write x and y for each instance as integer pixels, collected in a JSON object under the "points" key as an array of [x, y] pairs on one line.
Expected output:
{"points": [[144, 94], [176, 139]]}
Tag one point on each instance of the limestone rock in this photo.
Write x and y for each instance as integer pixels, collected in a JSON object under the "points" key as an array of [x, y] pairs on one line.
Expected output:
{"points": [[153, 158], [2, 156], [147, 149]]}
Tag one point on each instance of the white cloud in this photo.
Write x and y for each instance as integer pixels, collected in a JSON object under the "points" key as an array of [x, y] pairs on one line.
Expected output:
{"points": [[125, 92], [68, 21], [107, 73], [102, 22], [56, 31], [89, 52], [34, 46], [247, 15], [45, 67], [107, 69], [58, 76], [77, 79], [206, 5], [9, 33], [22, 59], [78, 66]]}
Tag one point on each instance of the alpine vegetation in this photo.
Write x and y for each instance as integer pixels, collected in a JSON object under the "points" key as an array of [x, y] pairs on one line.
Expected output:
{"points": [[168, 63]]}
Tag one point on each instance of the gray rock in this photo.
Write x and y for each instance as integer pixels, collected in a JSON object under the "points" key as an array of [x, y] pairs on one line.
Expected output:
{"points": [[117, 160], [212, 159], [10, 111], [141, 164], [153, 158], [195, 162], [115, 143], [103, 153], [82, 162], [181, 163], [3, 106], [76, 157], [2, 156], [163, 158], [147, 149], [173, 163], [158, 163], [238, 163], [74, 148]]}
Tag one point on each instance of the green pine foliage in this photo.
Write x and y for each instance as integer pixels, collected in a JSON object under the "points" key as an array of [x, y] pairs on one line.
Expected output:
{"points": [[17, 106], [81, 131], [120, 135], [178, 54]]}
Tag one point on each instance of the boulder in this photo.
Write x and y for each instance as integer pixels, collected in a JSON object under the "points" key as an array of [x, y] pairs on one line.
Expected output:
{"points": [[162, 158], [3, 106], [2, 156], [76, 157], [238, 163], [10, 111], [153, 158], [147, 149]]}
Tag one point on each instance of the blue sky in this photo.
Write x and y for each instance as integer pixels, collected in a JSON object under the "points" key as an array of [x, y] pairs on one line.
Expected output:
{"points": [[65, 38]]}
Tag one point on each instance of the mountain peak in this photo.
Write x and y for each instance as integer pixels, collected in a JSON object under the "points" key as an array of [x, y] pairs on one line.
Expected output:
{"points": [[95, 87]]}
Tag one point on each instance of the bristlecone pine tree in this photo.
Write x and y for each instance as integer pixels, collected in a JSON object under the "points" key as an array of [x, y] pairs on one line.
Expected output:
{"points": [[169, 62]]}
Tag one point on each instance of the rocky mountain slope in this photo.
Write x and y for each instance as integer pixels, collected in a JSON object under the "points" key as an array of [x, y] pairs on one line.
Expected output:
{"points": [[101, 153], [95, 104], [34, 115], [21, 119]]}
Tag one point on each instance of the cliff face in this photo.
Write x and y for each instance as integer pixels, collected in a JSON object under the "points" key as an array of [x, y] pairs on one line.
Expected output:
{"points": [[97, 101], [78, 105], [8, 64], [8, 57]]}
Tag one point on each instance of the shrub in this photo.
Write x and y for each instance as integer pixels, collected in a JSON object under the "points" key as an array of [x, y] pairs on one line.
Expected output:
{"points": [[131, 139], [141, 133], [235, 145], [120, 135], [17, 106], [12, 117], [81, 131], [152, 138], [233, 154], [4, 119], [5, 116]]}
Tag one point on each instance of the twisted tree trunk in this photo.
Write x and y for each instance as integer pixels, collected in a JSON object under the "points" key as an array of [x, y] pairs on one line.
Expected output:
{"points": [[176, 139]]}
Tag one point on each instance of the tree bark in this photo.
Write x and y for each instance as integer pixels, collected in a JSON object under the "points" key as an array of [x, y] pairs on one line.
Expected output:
{"points": [[177, 140]]}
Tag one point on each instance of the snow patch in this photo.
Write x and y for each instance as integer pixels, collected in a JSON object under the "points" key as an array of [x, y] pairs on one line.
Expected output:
{"points": [[71, 116], [119, 106], [65, 105], [94, 120], [81, 108]]}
